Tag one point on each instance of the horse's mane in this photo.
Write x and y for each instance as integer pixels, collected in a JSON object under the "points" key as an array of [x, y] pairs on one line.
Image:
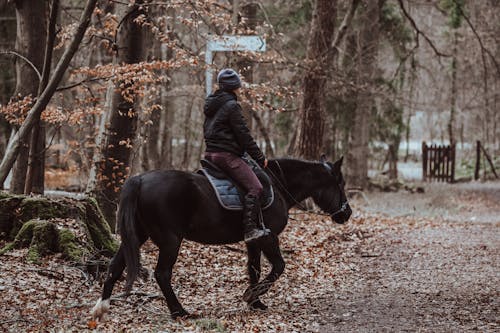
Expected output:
{"points": [[295, 166]]}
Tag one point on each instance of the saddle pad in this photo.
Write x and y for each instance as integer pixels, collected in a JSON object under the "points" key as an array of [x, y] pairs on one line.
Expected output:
{"points": [[229, 196]]}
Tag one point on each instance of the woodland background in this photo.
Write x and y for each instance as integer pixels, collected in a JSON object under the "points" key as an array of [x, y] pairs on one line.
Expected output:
{"points": [[94, 91], [368, 80]]}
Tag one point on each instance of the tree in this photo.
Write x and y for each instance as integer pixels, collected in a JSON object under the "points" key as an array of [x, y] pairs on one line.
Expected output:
{"points": [[455, 9], [7, 74], [31, 18], [318, 62], [358, 152], [36, 167], [121, 132]]}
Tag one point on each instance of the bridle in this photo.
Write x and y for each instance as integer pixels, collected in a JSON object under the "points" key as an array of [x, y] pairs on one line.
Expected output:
{"points": [[295, 201]]}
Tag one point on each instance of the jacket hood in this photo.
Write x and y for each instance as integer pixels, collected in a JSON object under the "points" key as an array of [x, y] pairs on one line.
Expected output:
{"points": [[215, 101]]}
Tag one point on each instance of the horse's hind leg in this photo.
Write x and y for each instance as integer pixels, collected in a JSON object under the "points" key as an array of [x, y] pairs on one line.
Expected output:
{"points": [[254, 254], [169, 249], [271, 249], [115, 271]]}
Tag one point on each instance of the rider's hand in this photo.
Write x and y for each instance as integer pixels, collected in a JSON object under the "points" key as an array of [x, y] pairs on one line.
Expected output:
{"points": [[265, 163]]}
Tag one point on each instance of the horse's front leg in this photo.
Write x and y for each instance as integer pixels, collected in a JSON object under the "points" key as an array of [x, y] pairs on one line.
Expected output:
{"points": [[254, 253], [270, 248]]}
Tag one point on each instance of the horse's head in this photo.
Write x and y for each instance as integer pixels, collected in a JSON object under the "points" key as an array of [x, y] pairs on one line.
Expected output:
{"points": [[331, 196]]}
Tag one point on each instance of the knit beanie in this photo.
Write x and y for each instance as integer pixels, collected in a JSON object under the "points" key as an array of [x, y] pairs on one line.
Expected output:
{"points": [[228, 80]]}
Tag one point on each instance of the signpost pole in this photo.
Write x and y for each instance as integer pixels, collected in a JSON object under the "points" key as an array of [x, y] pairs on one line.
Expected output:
{"points": [[229, 44]]}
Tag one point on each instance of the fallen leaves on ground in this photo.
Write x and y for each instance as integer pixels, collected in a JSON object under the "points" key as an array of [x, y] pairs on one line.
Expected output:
{"points": [[208, 280]]}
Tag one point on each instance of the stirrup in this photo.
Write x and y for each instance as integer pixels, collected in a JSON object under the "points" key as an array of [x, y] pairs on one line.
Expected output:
{"points": [[256, 234]]}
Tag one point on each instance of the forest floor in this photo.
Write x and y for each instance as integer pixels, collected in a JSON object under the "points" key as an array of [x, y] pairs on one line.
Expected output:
{"points": [[426, 262]]}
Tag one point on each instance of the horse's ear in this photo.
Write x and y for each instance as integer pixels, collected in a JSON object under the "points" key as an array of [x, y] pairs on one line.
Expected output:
{"points": [[338, 164], [322, 158]]}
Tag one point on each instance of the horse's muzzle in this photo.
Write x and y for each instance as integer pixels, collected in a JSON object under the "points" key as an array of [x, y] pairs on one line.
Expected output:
{"points": [[343, 214]]}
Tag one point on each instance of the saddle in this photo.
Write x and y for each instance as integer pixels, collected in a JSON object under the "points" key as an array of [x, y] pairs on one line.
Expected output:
{"points": [[229, 193]]}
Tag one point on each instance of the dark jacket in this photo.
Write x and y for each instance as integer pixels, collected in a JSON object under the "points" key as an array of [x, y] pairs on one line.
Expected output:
{"points": [[225, 128]]}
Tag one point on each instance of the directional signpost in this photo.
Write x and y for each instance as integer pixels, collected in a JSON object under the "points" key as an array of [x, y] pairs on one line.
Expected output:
{"points": [[229, 43]]}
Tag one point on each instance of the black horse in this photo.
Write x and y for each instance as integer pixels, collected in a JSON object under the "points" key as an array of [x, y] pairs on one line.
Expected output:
{"points": [[168, 206]]}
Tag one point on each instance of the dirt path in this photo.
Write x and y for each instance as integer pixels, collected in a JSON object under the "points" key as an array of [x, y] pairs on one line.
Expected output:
{"points": [[443, 277], [404, 263]]}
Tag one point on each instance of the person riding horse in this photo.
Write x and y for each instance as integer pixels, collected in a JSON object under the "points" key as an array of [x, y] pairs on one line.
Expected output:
{"points": [[227, 138], [168, 206]]}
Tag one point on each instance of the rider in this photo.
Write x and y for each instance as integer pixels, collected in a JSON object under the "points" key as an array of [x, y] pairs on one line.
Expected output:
{"points": [[227, 138]]}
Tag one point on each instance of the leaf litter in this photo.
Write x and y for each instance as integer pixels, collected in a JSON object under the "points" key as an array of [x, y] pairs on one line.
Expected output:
{"points": [[323, 260]]}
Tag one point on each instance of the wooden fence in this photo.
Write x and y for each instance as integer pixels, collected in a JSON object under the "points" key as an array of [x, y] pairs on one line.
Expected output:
{"points": [[438, 162]]}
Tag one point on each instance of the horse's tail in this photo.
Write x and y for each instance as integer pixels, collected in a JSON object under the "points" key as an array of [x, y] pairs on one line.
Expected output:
{"points": [[127, 225]]}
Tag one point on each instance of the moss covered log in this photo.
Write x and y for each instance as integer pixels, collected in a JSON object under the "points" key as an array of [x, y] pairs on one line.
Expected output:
{"points": [[75, 228]]}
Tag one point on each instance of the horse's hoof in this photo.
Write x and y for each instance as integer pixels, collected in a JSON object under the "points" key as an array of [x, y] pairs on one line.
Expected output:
{"points": [[100, 309], [248, 295], [180, 314], [255, 291], [258, 305]]}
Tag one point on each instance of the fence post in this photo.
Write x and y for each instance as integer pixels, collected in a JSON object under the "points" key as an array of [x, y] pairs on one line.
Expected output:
{"points": [[447, 153], [453, 150], [478, 159], [424, 160], [434, 161]]}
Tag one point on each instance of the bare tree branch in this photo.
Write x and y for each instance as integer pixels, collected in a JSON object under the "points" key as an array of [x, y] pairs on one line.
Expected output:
{"points": [[483, 48], [346, 22], [25, 59], [263, 130], [87, 80], [419, 32]]}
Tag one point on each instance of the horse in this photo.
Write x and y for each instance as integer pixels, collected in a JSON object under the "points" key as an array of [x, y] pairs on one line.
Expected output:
{"points": [[167, 206]]}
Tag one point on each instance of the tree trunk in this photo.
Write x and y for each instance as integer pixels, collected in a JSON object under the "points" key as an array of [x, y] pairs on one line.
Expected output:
{"points": [[22, 216], [35, 177], [7, 74], [31, 37], [164, 140], [451, 123], [166, 148], [123, 117], [357, 156], [246, 66], [187, 136], [318, 60], [152, 150], [101, 57]]}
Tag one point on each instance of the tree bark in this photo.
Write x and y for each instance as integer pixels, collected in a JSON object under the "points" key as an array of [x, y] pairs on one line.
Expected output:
{"points": [[453, 106], [245, 65], [318, 60], [31, 18], [187, 135], [123, 117], [330, 141], [7, 74], [35, 177], [25, 129], [168, 112], [357, 157]]}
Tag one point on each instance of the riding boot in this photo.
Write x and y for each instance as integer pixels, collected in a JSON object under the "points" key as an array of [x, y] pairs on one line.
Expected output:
{"points": [[251, 212]]}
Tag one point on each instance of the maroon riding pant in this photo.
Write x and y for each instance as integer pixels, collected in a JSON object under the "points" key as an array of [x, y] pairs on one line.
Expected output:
{"points": [[237, 169]]}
